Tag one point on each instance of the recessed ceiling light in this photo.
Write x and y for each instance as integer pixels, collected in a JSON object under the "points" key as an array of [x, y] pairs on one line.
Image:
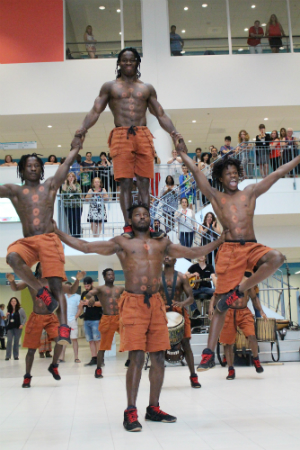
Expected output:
{"points": [[59, 146], [120, 32], [263, 24], [253, 6], [204, 5], [101, 7], [194, 121], [185, 8], [118, 10], [182, 31], [281, 48], [183, 52], [49, 126], [241, 49], [266, 118], [296, 273], [189, 141], [73, 278], [246, 29]]}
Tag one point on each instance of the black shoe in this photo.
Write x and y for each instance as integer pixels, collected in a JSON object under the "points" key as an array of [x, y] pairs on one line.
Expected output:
{"points": [[155, 414], [42, 355], [7, 359], [228, 299], [207, 361], [98, 373], [53, 369], [93, 362], [3, 348], [257, 365], [127, 364], [231, 374], [47, 298], [64, 332], [27, 380], [130, 420], [48, 355], [194, 381], [16, 359]]}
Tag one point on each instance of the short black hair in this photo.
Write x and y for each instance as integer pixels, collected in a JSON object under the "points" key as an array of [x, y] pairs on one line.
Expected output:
{"points": [[138, 59], [102, 153], [22, 164], [49, 159], [224, 163], [156, 220], [173, 26], [106, 270], [203, 156], [88, 153], [227, 138], [135, 206]]}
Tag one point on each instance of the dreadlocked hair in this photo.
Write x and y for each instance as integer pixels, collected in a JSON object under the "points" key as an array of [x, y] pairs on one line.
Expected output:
{"points": [[136, 205], [22, 164], [137, 57], [224, 163]]}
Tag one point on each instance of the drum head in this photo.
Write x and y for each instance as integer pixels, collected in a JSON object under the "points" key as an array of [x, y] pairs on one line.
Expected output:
{"points": [[174, 319]]}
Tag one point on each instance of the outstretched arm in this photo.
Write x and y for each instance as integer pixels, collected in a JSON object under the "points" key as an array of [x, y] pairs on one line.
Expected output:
{"points": [[101, 247], [13, 285], [157, 110], [178, 251], [264, 185], [62, 172], [7, 190], [199, 176]]}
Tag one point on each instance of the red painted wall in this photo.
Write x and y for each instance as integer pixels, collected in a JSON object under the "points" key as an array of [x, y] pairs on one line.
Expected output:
{"points": [[31, 31]]}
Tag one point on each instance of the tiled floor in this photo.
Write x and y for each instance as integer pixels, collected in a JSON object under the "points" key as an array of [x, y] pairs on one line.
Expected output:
{"points": [[80, 412]]}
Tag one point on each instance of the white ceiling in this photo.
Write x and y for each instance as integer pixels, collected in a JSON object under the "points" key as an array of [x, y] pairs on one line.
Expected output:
{"points": [[210, 128]]}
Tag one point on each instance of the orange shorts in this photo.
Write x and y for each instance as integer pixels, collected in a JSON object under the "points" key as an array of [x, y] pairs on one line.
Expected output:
{"points": [[241, 318], [233, 260], [132, 154], [143, 328], [187, 322], [108, 325], [44, 248], [34, 327]]}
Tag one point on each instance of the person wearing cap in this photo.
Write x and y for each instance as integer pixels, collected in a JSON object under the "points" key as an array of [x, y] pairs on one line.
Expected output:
{"points": [[92, 314]]}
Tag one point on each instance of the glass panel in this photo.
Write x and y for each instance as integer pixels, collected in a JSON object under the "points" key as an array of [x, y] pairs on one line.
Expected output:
{"points": [[252, 17], [104, 18], [133, 24], [295, 19], [201, 27]]}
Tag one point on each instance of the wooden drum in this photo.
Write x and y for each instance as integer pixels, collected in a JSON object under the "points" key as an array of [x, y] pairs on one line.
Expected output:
{"points": [[241, 342], [175, 327], [265, 330]]}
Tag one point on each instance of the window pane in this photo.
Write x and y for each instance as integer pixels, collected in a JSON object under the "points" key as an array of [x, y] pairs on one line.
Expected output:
{"points": [[133, 24], [105, 23], [252, 17], [295, 19], [199, 30]]}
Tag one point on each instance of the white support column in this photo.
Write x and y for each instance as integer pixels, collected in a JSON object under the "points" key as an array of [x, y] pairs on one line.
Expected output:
{"points": [[290, 26], [122, 24], [228, 27]]}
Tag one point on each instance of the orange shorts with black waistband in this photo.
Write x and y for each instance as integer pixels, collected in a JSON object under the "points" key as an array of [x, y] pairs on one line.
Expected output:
{"points": [[242, 318], [108, 326]]}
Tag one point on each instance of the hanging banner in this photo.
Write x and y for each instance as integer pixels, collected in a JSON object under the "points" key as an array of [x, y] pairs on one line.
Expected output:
{"points": [[17, 145]]}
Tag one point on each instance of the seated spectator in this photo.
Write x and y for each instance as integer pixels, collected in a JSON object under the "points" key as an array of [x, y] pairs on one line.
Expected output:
{"points": [[175, 166], [75, 168], [154, 182], [97, 215], [169, 197], [90, 42], [71, 191], [254, 39], [226, 149], [262, 150], [185, 225], [244, 148], [176, 42], [208, 230], [8, 161], [274, 32], [187, 185], [275, 150], [203, 272], [52, 160], [197, 157]]}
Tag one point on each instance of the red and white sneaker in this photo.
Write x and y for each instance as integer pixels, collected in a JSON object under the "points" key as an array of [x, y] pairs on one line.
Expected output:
{"points": [[27, 380], [64, 332], [155, 414], [257, 365], [53, 369], [46, 297], [228, 299], [207, 361], [131, 422], [194, 381]]}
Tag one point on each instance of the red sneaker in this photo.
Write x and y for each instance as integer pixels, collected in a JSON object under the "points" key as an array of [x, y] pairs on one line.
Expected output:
{"points": [[228, 299], [53, 369], [131, 422], [207, 361], [45, 295], [98, 373], [194, 381], [27, 380], [231, 374], [128, 232], [64, 332], [257, 365], [155, 414]]}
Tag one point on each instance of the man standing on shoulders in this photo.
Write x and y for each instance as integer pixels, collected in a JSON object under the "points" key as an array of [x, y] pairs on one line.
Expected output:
{"points": [[73, 302], [172, 286], [131, 144], [108, 295], [92, 314]]}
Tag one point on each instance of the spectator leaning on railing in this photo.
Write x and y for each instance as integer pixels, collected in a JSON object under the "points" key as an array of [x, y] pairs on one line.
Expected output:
{"points": [[71, 198], [274, 32], [52, 161], [185, 224], [75, 168], [8, 161], [262, 150], [243, 150], [275, 150], [254, 40], [90, 42], [197, 157], [226, 148]]}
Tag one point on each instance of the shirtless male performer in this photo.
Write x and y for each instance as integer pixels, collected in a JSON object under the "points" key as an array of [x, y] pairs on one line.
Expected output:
{"points": [[130, 142], [41, 319], [34, 203], [143, 321], [240, 316], [108, 296], [171, 288], [240, 252]]}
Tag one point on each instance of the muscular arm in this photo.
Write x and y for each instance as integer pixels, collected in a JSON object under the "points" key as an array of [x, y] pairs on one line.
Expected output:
{"points": [[188, 292], [101, 247], [178, 251], [67, 289], [157, 110], [62, 171], [99, 106], [7, 190], [15, 286], [256, 302], [264, 185]]}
